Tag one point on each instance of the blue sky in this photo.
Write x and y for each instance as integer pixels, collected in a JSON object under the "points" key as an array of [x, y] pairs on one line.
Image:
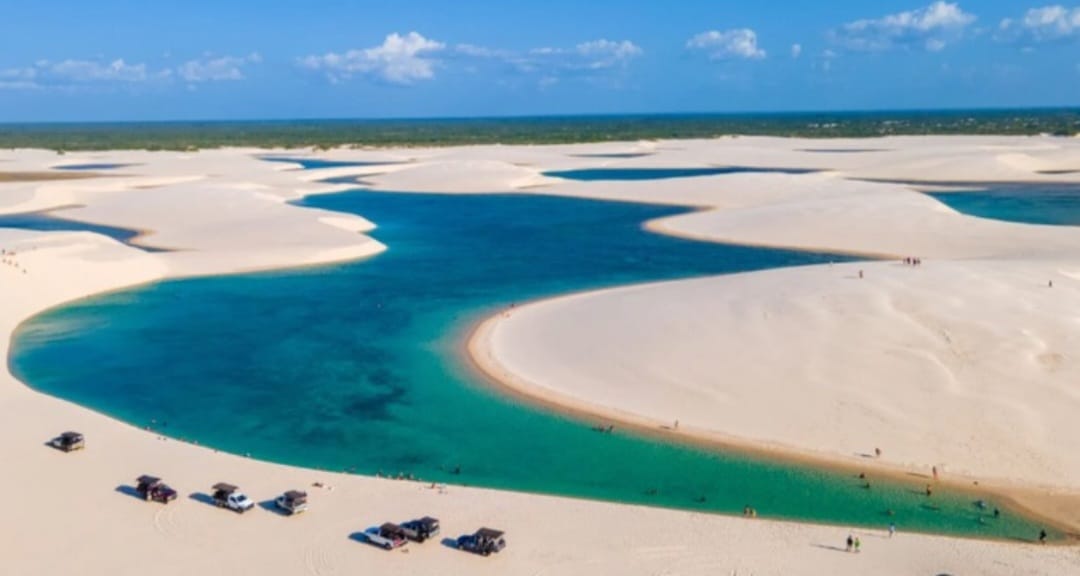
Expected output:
{"points": [[239, 59]]}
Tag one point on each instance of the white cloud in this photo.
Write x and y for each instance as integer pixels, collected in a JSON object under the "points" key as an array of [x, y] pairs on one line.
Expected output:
{"points": [[932, 28], [593, 55], [474, 51], [826, 59], [607, 53], [85, 71], [796, 50], [210, 69], [399, 60], [73, 73], [412, 57], [1043, 24], [727, 44], [18, 79], [76, 73], [594, 59]]}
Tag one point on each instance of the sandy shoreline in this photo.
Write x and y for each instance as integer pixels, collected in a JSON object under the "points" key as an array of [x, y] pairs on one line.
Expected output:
{"points": [[1061, 510], [224, 210]]}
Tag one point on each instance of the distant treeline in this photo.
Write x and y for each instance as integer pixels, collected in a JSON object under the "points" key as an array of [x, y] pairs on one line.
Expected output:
{"points": [[529, 130]]}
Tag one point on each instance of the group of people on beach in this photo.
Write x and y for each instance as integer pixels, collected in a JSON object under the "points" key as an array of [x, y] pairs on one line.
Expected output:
{"points": [[912, 261], [853, 544], [7, 258]]}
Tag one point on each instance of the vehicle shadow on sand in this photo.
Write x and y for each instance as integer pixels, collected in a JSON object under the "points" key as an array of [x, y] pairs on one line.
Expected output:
{"points": [[202, 498], [129, 491], [271, 506], [449, 543], [360, 536]]}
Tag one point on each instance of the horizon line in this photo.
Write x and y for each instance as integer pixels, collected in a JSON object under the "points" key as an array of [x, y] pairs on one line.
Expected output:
{"points": [[583, 115]]}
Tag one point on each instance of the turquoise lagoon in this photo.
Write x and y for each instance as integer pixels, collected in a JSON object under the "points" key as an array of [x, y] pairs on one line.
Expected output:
{"points": [[360, 367], [1029, 203]]}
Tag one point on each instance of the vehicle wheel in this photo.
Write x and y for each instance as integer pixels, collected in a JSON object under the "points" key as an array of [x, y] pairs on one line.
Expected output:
{"points": [[387, 546], [486, 552]]}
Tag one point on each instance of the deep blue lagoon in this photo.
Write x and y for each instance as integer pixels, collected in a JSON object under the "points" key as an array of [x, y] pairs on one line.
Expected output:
{"points": [[361, 367], [1052, 204], [49, 222]]}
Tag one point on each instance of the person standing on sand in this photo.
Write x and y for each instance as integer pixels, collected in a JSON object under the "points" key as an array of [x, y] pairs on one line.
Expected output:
{"points": [[929, 491], [858, 545], [850, 542], [1042, 536], [860, 274], [934, 470], [892, 530]]}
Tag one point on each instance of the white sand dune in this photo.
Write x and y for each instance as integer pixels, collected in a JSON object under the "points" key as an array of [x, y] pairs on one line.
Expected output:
{"points": [[968, 366], [971, 358]]}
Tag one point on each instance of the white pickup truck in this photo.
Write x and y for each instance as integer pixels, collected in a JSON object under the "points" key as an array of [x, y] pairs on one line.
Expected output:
{"points": [[229, 496], [387, 536]]}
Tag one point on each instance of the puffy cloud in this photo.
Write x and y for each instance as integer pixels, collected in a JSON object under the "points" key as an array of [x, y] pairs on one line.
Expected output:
{"points": [[211, 69], [728, 44], [932, 27], [1043, 24], [399, 60], [411, 58]]}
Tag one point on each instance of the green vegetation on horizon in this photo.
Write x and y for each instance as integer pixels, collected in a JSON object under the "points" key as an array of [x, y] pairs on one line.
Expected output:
{"points": [[529, 130]]}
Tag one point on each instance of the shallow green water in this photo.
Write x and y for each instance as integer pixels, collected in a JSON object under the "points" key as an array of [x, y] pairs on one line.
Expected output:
{"points": [[359, 366]]}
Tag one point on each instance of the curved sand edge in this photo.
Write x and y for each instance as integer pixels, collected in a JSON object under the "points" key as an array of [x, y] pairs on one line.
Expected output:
{"points": [[1058, 508]]}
